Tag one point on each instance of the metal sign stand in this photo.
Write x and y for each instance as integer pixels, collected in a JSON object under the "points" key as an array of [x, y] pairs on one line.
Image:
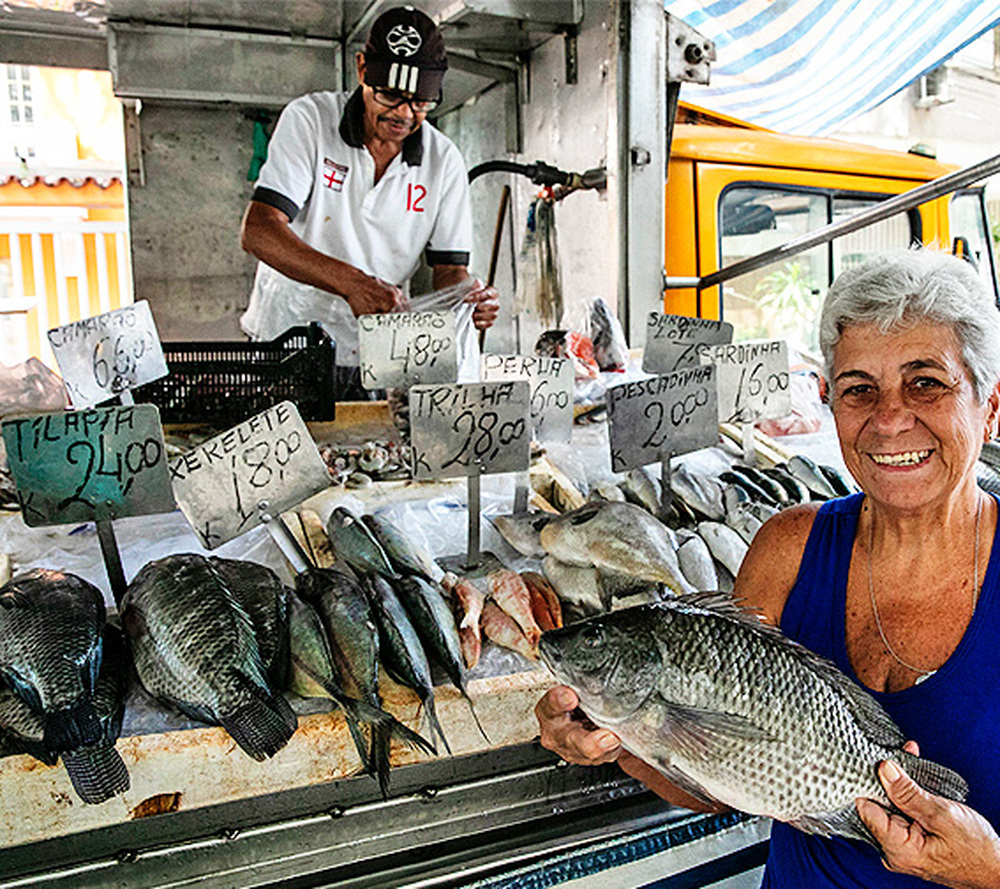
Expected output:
{"points": [[473, 556], [112, 560], [282, 535], [521, 493], [666, 492]]}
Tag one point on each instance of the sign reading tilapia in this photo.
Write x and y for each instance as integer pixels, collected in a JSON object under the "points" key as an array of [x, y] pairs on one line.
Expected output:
{"points": [[247, 475], [92, 465], [730, 710], [677, 341], [107, 354], [753, 380]]}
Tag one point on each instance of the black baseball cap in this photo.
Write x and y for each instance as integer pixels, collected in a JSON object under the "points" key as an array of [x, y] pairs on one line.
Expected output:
{"points": [[405, 51]]}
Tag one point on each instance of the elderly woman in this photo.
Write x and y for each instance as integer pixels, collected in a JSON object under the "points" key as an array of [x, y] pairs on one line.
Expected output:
{"points": [[899, 585]]}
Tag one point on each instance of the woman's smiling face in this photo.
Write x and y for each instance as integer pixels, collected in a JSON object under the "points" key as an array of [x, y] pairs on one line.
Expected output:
{"points": [[909, 424]]}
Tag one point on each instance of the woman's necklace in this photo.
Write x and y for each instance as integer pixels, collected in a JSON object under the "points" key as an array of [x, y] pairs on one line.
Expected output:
{"points": [[871, 590]]}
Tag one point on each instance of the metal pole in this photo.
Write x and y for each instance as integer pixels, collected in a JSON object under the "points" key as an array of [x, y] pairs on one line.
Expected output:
{"points": [[900, 203]]}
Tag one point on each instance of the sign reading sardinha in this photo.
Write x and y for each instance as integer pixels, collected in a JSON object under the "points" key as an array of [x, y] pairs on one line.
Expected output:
{"points": [[753, 380], [676, 341]]}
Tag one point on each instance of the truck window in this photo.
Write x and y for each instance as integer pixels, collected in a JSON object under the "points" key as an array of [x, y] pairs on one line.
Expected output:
{"points": [[967, 222], [783, 301], [780, 301]]}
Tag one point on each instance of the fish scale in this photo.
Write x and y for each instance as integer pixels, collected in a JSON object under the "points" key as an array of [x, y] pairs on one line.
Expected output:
{"points": [[730, 710]]}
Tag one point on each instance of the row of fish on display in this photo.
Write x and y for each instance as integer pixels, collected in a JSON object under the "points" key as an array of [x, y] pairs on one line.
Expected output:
{"points": [[615, 547], [222, 640]]}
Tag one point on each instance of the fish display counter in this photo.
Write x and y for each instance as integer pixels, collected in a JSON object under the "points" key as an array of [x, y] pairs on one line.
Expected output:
{"points": [[480, 802]]}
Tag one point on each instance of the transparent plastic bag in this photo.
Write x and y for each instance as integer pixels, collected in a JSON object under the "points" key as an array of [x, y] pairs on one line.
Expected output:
{"points": [[30, 386]]}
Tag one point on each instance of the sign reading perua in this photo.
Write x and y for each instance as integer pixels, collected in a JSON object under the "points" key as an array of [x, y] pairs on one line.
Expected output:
{"points": [[102, 356], [470, 429], [676, 341], [753, 380], [551, 381], [91, 465], [650, 420], [399, 349], [248, 475]]}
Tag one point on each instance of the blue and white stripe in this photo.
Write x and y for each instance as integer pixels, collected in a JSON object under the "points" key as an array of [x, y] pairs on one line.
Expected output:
{"points": [[809, 66]]}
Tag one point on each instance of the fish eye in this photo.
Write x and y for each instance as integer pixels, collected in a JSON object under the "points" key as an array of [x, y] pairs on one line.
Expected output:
{"points": [[592, 637]]}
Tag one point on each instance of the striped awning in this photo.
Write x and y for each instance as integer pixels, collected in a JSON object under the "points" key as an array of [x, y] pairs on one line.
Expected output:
{"points": [[808, 66]]}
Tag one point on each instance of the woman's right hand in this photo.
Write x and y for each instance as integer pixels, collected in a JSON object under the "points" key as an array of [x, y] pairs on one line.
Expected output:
{"points": [[570, 735]]}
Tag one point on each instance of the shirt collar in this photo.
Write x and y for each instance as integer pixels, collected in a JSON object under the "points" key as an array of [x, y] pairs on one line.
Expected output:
{"points": [[352, 130]]}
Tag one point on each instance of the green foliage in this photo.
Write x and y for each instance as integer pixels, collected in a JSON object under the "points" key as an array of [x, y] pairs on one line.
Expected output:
{"points": [[792, 300]]}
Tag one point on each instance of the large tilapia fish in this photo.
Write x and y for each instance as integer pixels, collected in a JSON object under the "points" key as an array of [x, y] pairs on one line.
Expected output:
{"points": [[50, 652], [194, 646], [731, 710]]}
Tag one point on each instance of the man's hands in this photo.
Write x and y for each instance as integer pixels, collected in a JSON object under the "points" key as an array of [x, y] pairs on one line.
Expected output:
{"points": [[487, 305], [371, 296], [935, 838], [570, 737]]}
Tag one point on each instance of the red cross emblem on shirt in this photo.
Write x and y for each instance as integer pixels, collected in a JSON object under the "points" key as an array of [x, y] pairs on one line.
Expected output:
{"points": [[334, 174]]}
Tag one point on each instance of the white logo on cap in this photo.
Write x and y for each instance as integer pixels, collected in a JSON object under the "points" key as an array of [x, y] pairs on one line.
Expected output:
{"points": [[404, 40]]}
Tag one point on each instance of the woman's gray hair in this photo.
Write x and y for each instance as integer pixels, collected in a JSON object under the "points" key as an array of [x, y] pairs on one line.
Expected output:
{"points": [[898, 290]]}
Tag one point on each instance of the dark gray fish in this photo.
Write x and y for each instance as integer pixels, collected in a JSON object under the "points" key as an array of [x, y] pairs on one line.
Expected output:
{"points": [[50, 652], [797, 492], [266, 599], [314, 674], [729, 709], [194, 647], [354, 543], [404, 555], [807, 472], [767, 484], [756, 492], [836, 480], [435, 625], [987, 477], [22, 729], [403, 655]]}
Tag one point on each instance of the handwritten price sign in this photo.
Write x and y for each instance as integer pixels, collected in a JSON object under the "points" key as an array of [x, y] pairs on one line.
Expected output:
{"points": [[250, 474], [672, 414], [470, 429], [103, 356], [676, 341], [91, 465], [753, 380], [551, 381], [402, 348]]}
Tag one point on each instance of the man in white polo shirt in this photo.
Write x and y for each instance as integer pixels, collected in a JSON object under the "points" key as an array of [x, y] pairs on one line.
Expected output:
{"points": [[355, 188]]}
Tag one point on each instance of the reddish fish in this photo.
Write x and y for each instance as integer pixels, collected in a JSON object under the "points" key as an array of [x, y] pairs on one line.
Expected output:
{"points": [[469, 609], [545, 604], [509, 592], [501, 629]]}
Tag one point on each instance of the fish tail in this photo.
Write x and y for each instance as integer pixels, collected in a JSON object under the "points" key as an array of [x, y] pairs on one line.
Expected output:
{"points": [[376, 717], [261, 727], [936, 778], [381, 733], [72, 727], [434, 722], [97, 773], [475, 716]]}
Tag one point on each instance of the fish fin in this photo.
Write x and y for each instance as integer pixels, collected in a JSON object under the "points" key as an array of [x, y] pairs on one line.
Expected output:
{"points": [[934, 777], [874, 721], [688, 785], [846, 823], [97, 773], [692, 729], [261, 727], [381, 732], [71, 727], [475, 716]]}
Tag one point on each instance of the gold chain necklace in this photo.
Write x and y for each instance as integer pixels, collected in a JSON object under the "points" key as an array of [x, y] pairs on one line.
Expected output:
{"points": [[871, 590]]}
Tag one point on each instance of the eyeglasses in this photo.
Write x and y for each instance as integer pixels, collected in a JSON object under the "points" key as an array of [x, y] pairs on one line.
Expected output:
{"points": [[394, 98]]}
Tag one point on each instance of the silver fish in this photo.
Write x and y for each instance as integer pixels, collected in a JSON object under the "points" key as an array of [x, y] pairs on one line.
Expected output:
{"points": [[406, 556], [353, 542], [702, 493], [696, 561], [523, 531], [732, 711], [807, 472], [606, 491], [620, 537], [642, 489], [579, 588], [726, 546]]}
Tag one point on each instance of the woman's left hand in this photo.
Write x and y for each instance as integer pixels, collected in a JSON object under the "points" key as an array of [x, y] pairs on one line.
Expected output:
{"points": [[936, 838]]}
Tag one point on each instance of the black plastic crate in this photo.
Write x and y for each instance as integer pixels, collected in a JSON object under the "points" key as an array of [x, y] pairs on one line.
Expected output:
{"points": [[227, 380]]}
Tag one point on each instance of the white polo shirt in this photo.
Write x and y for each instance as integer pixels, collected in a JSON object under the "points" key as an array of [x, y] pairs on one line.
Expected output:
{"points": [[320, 174]]}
